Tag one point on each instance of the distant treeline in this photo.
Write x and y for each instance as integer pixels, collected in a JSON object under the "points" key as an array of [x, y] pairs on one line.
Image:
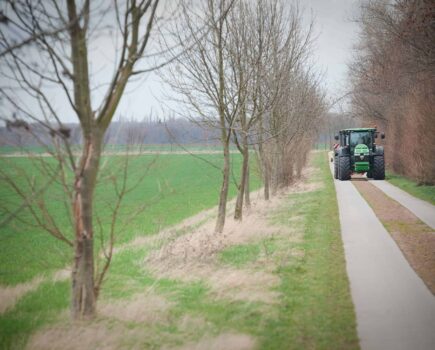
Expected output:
{"points": [[154, 132], [172, 131]]}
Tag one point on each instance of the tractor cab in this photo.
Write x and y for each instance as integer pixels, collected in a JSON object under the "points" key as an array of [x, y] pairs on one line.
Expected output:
{"points": [[357, 136]]}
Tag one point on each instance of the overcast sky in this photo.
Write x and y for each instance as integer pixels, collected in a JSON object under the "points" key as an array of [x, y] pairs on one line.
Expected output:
{"points": [[335, 31], [336, 34]]}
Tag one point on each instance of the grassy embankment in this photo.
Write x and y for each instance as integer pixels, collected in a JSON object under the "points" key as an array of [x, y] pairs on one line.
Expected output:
{"points": [[313, 308], [424, 192]]}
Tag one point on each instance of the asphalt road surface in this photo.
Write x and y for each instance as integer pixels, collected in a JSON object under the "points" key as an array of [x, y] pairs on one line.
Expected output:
{"points": [[394, 308]]}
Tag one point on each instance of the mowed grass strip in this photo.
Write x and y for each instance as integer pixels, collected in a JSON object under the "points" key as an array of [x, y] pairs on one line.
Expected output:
{"points": [[424, 192], [316, 310], [174, 187]]}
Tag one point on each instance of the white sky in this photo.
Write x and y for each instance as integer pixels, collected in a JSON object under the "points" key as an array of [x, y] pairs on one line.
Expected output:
{"points": [[336, 34]]}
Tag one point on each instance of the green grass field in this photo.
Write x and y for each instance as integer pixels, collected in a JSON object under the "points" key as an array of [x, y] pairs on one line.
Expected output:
{"points": [[424, 192], [313, 310], [175, 187]]}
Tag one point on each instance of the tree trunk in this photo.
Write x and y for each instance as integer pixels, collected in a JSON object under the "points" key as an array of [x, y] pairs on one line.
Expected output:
{"points": [[276, 171], [247, 188], [83, 291], [238, 213], [225, 135], [289, 174], [266, 180], [220, 222], [263, 160]]}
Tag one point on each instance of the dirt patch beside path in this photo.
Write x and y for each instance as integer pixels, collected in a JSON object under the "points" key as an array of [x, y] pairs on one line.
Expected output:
{"points": [[414, 238]]}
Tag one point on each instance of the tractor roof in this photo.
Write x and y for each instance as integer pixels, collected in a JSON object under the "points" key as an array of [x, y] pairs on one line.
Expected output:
{"points": [[359, 129]]}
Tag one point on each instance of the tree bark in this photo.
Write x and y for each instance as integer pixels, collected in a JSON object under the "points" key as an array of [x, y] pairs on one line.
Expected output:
{"points": [[262, 155], [266, 180], [220, 222], [247, 188], [225, 135], [238, 213], [83, 300]]}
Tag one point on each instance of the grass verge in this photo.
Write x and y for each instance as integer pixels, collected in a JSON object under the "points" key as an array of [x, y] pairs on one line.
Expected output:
{"points": [[316, 310], [313, 309], [424, 192]]}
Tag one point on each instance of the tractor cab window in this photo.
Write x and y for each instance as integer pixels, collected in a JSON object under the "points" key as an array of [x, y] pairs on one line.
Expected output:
{"points": [[357, 138], [346, 140]]}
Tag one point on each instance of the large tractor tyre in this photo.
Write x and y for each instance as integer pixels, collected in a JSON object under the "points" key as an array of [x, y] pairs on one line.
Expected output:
{"points": [[335, 167], [370, 174], [344, 168], [378, 168]]}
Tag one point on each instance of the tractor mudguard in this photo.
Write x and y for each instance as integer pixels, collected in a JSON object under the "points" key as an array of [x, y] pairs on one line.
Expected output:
{"points": [[379, 151], [342, 151]]}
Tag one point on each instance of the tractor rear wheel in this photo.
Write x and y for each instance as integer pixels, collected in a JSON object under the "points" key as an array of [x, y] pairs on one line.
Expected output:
{"points": [[335, 167], [378, 168], [344, 168]]}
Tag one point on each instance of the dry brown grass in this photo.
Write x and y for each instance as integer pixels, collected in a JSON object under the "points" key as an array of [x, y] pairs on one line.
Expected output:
{"points": [[193, 256], [10, 295], [169, 233], [75, 336], [112, 329], [243, 284], [147, 308], [223, 341]]}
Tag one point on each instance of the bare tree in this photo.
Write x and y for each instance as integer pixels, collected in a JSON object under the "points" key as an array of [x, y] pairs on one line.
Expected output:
{"points": [[201, 78], [244, 56], [290, 97], [243, 72], [45, 54]]}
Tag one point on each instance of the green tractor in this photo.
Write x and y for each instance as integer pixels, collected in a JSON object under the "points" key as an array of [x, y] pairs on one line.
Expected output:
{"points": [[358, 153]]}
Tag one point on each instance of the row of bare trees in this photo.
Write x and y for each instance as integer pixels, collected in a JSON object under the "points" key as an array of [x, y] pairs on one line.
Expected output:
{"points": [[240, 67], [393, 78], [245, 70]]}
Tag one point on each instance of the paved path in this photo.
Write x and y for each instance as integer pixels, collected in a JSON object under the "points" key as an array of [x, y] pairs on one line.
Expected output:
{"points": [[425, 211], [394, 308]]}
